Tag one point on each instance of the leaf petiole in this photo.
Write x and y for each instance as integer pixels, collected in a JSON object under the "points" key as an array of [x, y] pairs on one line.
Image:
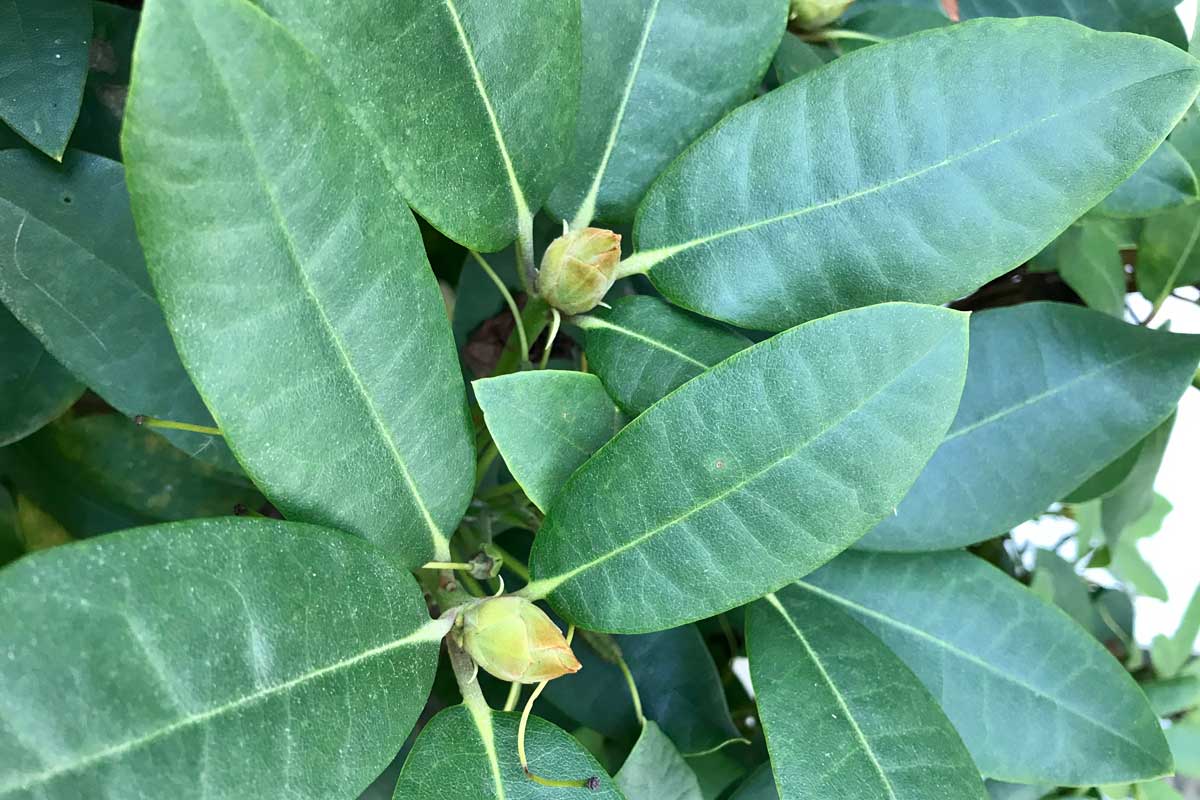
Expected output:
{"points": [[582, 783], [155, 422]]}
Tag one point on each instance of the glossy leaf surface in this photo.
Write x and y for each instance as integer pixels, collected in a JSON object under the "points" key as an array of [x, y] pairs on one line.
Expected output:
{"points": [[753, 473], [643, 348], [654, 770], [469, 106], [1163, 182], [656, 74], [545, 424], [43, 64], [1093, 379], [466, 757], [325, 353], [1034, 697], [34, 388], [75, 276], [305, 658], [923, 130], [842, 715]]}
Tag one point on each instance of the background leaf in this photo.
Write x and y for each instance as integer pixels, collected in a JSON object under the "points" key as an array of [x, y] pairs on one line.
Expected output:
{"points": [[43, 63], [34, 388], [315, 663], [1089, 261], [450, 759], [844, 717], [1163, 182], [545, 424], [655, 75], [1170, 653], [753, 473], [927, 123], [759, 786], [643, 348], [1152, 17], [1072, 375], [76, 278], [1169, 253], [1035, 699], [654, 770], [326, 354], [891, 22], [796, 57], [1134, 498], [470, 105]]}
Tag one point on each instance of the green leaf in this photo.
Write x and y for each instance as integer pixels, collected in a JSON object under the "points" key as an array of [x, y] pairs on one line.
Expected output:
{"points": [[1108, 478], [753, 473], [759, 786], [1068, 590], [75, 277], [656, 771], [860, 6], [1173, 695], [1034, 697], [656, 74], [469, 106], [1157, 790], [1127, 563], [831, 694], [459, 755], [1169, 253], [891, 22], [1170, 653], [1016, 791], [1163, 182], [34, 388], [135, 471], [43, 64], [1184, 737], [643, 349], [925, 123], [326, 355], [11, 545], [103, 109], [1134, 498], [1089, 261], [234, 657], [545, 424], [1071, 374], [796, 57], [1151, 17], [678, 682]]}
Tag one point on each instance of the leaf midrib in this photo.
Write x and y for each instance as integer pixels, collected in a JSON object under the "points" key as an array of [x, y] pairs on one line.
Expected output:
{"points": [[979, 662], [543, 586], [428, 632], [841, 701], [438, 537], [642, 261]]}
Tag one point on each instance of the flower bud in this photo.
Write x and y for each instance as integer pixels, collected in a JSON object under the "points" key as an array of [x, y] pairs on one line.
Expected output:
{"points": [[579, 268], [514, 640], [811, 14]]}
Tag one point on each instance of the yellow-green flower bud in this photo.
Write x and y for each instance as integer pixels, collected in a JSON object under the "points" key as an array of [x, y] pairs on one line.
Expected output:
{"points": [[811, 14], [514, 640], [579, 268]]}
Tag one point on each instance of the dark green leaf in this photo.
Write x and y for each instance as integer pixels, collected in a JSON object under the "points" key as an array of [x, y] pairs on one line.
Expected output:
{"points": [[859, 6], [464, 757], [891, 22], [242, 658], [1169, 253], [546, 423], [643, 349], [325, 353], [759, 786], [753, 473], [11, 546], [1072, 375], [468, 106], [103, 109], [1134, 497], [43, 63], [656, 74], [1089, 261], [34, 388], [928, 125], [656, 771], [1108, 478], [1185, 745], [1173, 695], [1152, 17], [676, 678], [75, 276], [796, 57], [1163, 182], [1034, 697], [844, 717], [1056, 581]]}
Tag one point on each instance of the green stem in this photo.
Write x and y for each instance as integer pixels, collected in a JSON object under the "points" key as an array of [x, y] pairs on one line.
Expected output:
{"points": [[1196, 380], [526, 268], [512, 562], [835, 34], [155, 422], [455, 565], [555, 322], [536, 316], [633, 691], [514, 696], [512, 487], [485, 461], [582, 783], [512, 304]]}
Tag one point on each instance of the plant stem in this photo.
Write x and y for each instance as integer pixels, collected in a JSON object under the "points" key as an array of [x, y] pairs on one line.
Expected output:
{"points": [[526, 268], [583, 783], [514, 695], [512, 304], [512, 562], [633, 691], [536, 317], [512, 487], [456, 565], [555, 322], [485, 461], [155, 422], [835, 34]]}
